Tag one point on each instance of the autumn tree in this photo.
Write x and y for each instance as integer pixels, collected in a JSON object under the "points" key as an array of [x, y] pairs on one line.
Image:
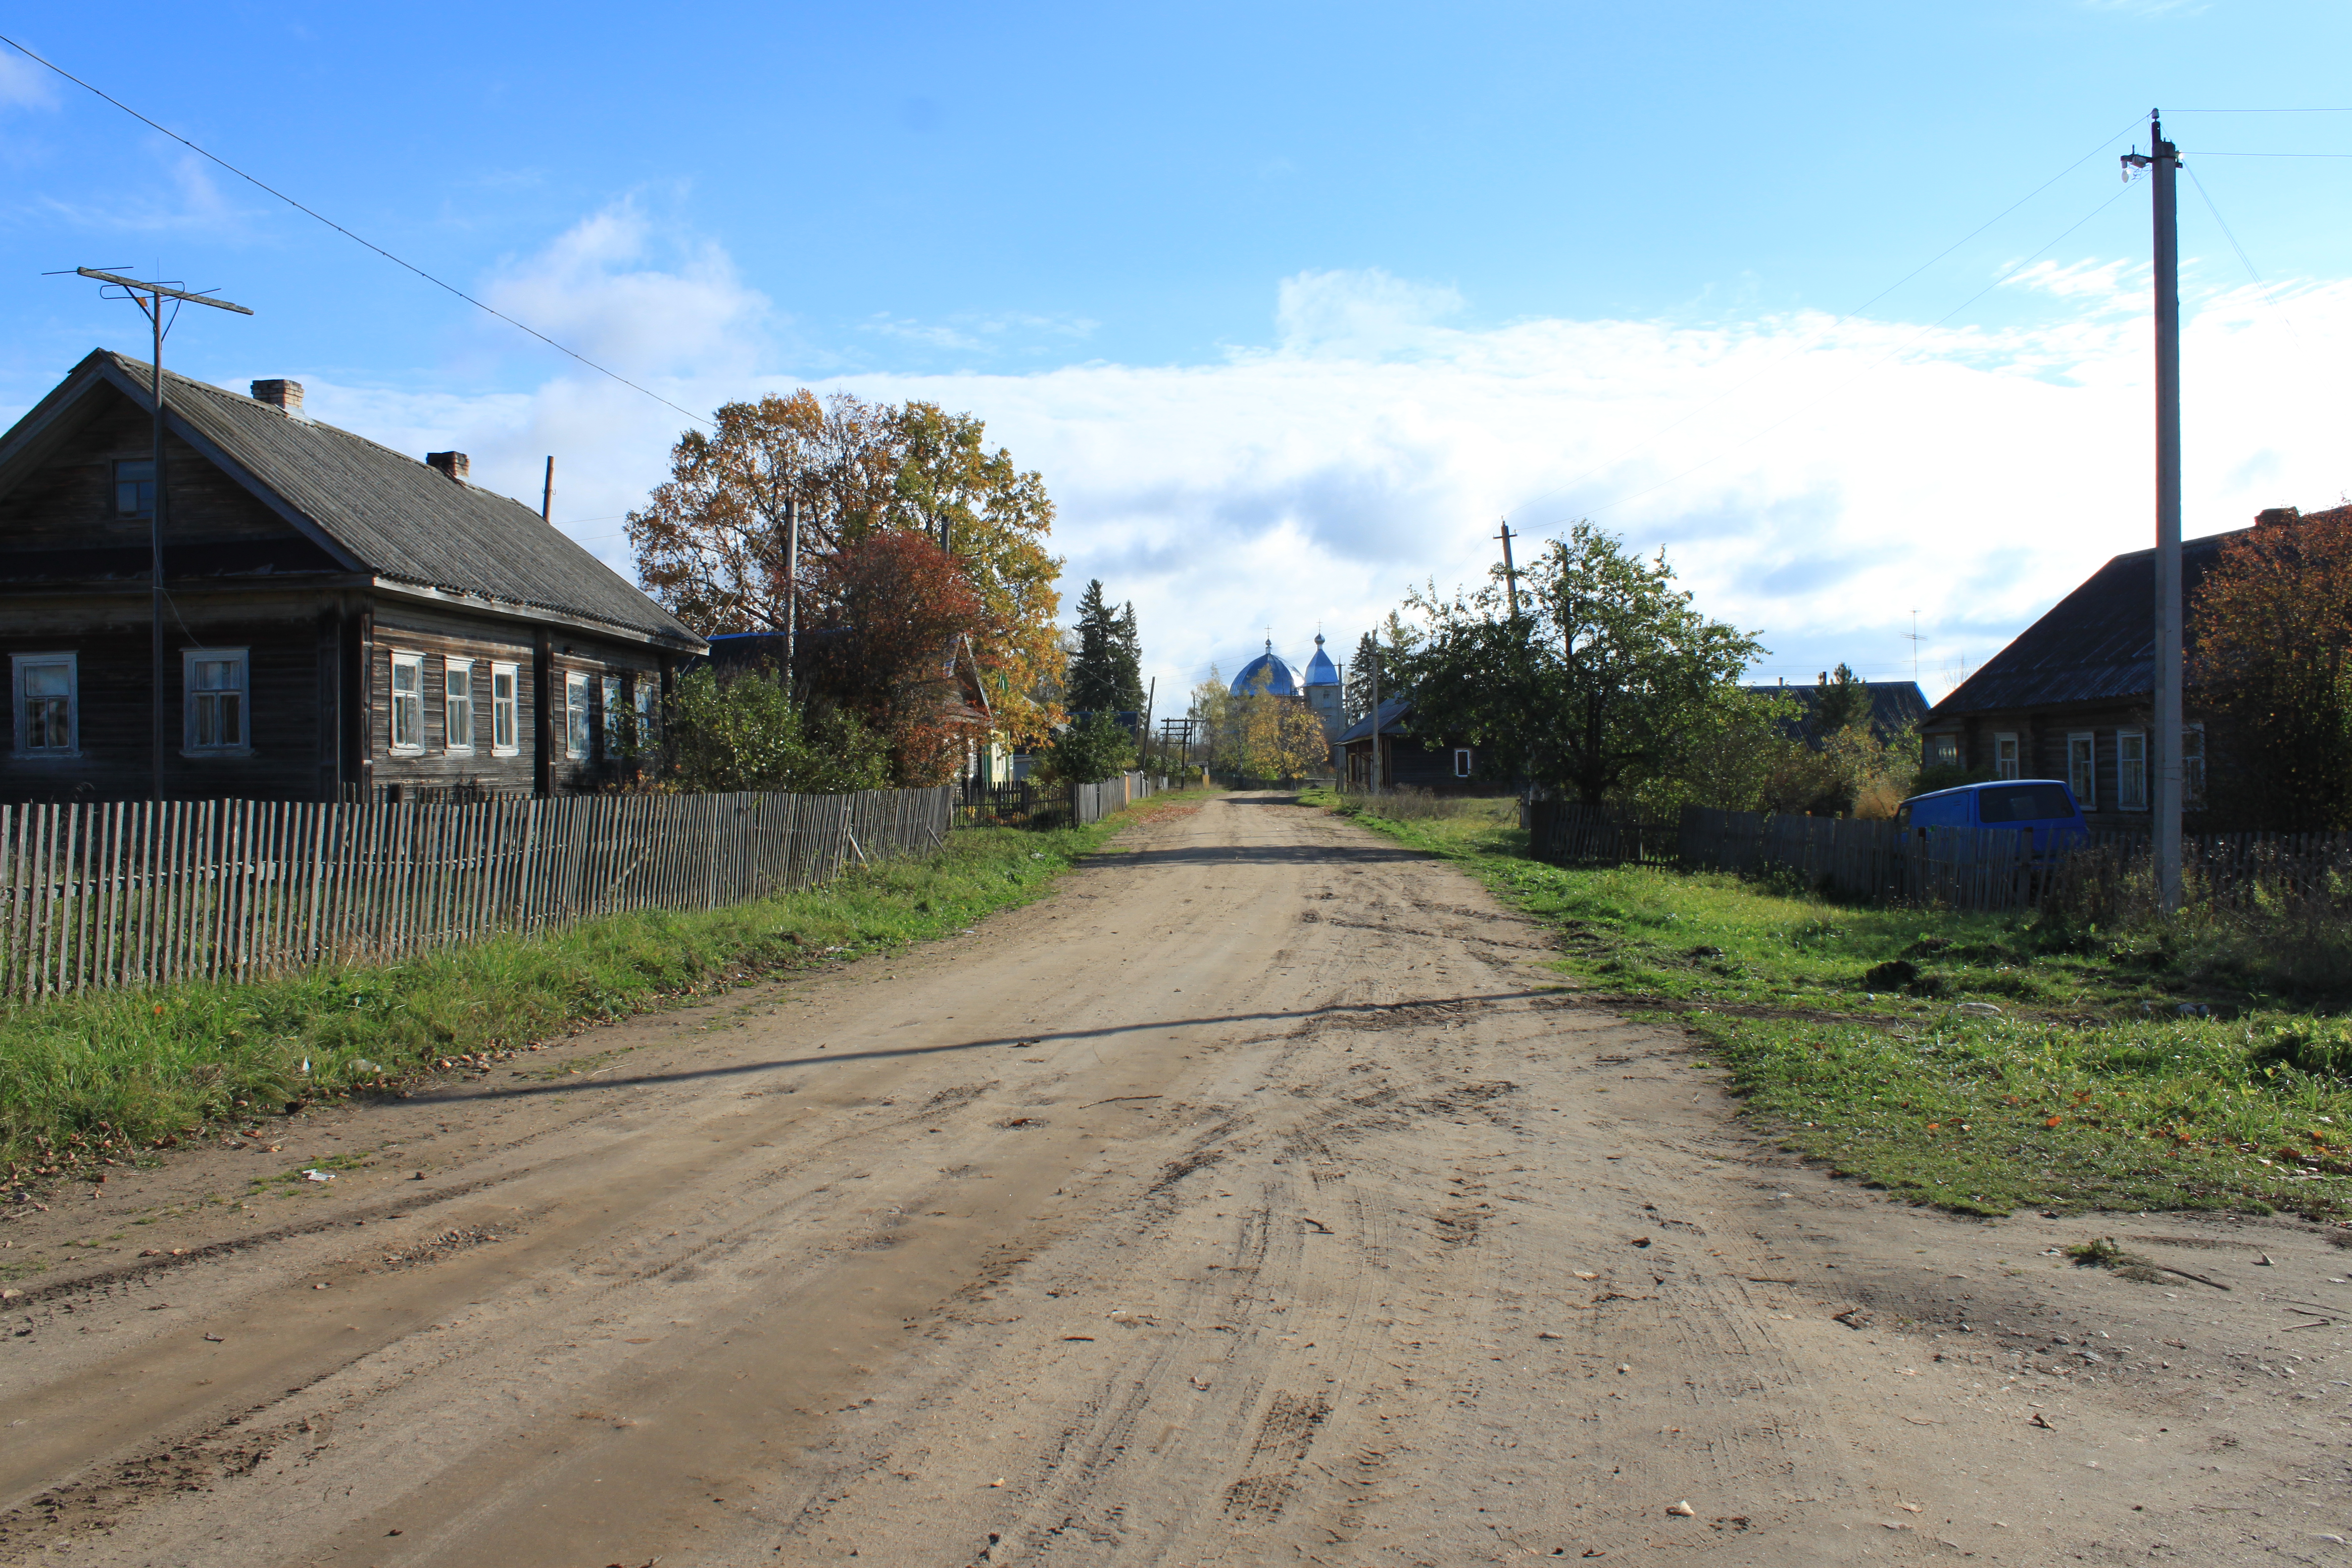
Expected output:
{"points": [[2272, 630], [889, 619], [1598, 684], [710, 542]]}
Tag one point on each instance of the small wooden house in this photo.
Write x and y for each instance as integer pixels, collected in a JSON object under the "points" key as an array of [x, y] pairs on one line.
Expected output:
{"points": [[1408, 760], [339, 618], [2073, 696]]}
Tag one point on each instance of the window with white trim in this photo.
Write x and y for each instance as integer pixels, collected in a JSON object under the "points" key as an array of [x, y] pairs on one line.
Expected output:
{"points": [[2192, 766], [1460, 762], [2004, 756], [47, 704], [2131, 770], [1943, 751], [575, 713], [648, 710], [504, 725], [408, 702], [215, 680], [458, 703], [613, 711], [2082, 768]]}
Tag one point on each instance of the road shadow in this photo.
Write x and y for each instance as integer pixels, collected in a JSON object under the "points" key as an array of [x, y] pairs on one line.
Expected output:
{"points": [[1261, 854], [746, 1069]]}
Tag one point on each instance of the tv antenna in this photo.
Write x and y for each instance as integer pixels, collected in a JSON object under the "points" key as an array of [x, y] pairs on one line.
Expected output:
{"points": [[150, 298]]}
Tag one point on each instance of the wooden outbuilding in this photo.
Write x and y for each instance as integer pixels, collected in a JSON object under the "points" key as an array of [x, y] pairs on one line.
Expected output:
{"points": [[342, 620]]}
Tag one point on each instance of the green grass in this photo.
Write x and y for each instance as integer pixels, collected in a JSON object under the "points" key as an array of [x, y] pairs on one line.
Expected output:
{"points": [[109, 1078], [2044, 1069]]}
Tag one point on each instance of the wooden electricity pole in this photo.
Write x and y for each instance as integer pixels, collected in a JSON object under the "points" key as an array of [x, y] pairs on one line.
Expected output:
{"points": [[2163, 159], [1510, 572], [150, 298]]}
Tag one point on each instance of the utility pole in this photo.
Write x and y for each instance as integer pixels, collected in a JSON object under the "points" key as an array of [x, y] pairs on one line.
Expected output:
{"points": [[1149, 702], [1373, 779], [2163, 159], [150, 298], [1510, 573], [547, 492]]}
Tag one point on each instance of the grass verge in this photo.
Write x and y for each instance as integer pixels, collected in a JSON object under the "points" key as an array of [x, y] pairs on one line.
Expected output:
{"points": [[108, 1079], [1982, 1063]]}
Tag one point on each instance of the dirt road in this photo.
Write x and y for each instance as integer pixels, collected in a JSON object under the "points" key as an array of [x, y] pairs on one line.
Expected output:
{"points": [[1255, 1198]]}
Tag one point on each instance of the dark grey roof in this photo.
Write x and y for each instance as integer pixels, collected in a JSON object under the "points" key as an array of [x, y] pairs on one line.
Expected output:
{"points": [[1894, 705], [1394, 711], [2096, 645], [391, 514]]}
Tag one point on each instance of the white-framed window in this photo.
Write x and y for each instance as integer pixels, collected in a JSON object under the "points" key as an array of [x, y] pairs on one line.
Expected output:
{"points": [[408, 702], [47, 704], [613, 711], [2192, 766], [2131, 770], [216, 680], [1460, 762], [458, 703], [648, 692], [2004, 755], [505, 727], [2082, 768], [575, 713]]}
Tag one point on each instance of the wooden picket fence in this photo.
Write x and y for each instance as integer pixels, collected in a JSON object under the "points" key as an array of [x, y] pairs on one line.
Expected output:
{"points": [[1567, 832], [1962, 868], [94, 895]]}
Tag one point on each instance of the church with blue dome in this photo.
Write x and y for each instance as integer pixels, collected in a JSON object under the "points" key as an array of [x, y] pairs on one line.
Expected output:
{"points": [[1319, 687]]}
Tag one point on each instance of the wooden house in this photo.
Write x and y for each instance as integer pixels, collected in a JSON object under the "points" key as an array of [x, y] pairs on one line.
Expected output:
{"points": [[1408, 760], [340, 619], [2072, 696]]}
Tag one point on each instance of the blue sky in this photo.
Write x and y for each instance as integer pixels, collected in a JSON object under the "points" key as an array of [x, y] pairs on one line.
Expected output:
{"points": [[1288, 302]]}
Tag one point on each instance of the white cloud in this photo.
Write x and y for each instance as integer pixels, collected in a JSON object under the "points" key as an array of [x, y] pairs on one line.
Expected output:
{"points": [[1814, 481], [24, 85], [615, 290]]}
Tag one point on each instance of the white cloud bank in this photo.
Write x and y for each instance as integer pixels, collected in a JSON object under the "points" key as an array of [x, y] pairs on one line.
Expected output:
{"points": [[1814, 481]]}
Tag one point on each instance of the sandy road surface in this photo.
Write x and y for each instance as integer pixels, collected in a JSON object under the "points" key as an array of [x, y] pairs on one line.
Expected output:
{"points": [[1250, 1200]]}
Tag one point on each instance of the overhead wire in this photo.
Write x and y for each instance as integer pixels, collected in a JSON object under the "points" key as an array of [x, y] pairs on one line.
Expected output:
{"points": [[1817, 337], [1892, 353], [347, 234]]}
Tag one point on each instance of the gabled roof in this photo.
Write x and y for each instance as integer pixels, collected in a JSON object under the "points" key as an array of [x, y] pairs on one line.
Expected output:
{"points": [[2096, 645], [1394, 711], [1893, 704], [374, 510]]}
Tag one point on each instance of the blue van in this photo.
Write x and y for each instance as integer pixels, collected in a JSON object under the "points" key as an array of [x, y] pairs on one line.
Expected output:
{"points": [[2045, 808]]}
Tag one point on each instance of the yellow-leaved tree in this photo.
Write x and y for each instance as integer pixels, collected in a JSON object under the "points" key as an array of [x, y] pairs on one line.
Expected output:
{"points": [[710, 542]]}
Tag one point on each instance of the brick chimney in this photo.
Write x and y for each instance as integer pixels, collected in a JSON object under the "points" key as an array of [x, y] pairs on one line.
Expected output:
{"points": [[2272, 517], [282, 395], [450, 463]]}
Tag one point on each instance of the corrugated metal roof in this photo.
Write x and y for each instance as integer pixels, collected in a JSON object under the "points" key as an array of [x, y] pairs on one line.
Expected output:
{"points": [[399, 516]]}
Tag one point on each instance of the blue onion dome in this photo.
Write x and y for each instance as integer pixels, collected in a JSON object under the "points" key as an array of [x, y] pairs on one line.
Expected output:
{"points": [[1266, 667], [1320, 670]]}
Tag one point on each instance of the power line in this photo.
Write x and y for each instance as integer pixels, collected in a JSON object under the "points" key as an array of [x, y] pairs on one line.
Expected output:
{"points": [[347, 234], [1875, 364], [2203, 153], [1808, 342], [2262, 112]]}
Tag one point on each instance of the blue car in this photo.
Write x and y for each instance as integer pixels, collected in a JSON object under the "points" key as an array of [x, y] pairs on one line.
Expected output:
{"points": [[2044, 807]]}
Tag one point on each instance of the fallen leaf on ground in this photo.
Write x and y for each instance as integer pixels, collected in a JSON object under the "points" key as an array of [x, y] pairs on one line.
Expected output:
{"points": [[1681, 1511]]}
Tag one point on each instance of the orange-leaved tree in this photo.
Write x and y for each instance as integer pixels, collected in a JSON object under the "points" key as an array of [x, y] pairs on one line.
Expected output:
{"points": [[2271, 634], [710, 541], [889, 619]]}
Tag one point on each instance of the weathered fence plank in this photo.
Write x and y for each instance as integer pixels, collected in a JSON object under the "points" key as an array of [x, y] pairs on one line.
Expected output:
{"points": [[117, 894]]}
